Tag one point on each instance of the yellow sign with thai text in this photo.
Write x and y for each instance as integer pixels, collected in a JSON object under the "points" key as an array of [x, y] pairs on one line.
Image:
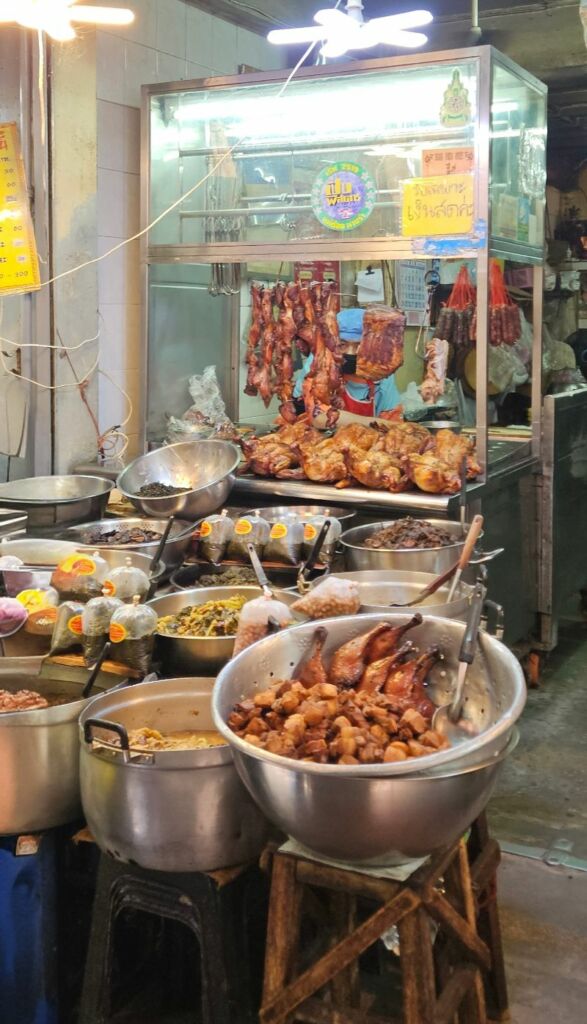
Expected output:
{"points": [[439, 205], [19, 263]]}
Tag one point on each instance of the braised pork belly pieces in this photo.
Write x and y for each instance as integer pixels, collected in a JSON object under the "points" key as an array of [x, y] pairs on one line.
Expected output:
{"points": [[370, 706]]}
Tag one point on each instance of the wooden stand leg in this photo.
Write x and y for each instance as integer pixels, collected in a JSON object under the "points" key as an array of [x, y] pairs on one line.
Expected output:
{"points": [[282, 926], [346, 990], [483, 871], [417, 969], [472, 1009]]}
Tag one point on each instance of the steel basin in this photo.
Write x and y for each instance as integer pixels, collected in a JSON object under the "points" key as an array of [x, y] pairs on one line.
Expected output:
{"points": [[21, 579], [174, 551], [379, 588], [53, 502], [39, 753], [403, 809], [196, 655], [168, 810], [431, 560], [373, 820], [206, 467]]}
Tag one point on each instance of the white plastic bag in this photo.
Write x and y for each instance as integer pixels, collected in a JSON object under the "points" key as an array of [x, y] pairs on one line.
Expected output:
{"points": [[330, 597], [207, 413], [253, 622]]}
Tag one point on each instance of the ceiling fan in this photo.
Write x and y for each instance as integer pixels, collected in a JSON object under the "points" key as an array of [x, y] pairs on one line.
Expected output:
{"points": [[342, 31], [55, 17]]}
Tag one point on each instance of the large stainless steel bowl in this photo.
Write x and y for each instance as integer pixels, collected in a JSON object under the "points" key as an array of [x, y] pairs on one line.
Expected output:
{"points": [[277, 512], [57, 501], [433, 560], [378, 813], [205, 467], [168, 810], [39, 751], [173, 553], [196, 655], [30, 550], [379, 588]]}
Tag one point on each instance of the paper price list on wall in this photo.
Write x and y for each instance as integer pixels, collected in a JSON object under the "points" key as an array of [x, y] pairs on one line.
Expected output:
{"points": [[19, 263]]}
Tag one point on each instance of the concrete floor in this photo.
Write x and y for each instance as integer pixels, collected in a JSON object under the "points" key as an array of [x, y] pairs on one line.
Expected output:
{"points": [[540, 810]]}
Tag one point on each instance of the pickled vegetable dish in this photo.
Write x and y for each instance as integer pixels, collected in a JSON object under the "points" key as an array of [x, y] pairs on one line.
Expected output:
{"points": [[212, 619]]}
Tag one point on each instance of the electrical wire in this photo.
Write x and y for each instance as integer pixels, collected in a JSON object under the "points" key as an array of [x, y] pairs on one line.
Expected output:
{"points": [[108, 440]]}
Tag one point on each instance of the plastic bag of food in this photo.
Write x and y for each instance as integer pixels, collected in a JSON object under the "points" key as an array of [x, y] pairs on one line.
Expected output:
{"points": [[254, 621], [330, 597], [96, 617], [41, 606], [252, 529], [67, 631], [216, 532], [132, 632], [80, 576], [125, 581], [286, 539], [312, 529]]}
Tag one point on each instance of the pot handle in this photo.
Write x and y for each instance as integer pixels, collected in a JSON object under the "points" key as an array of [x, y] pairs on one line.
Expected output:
{"points": [[101, 723], [498, 626]]}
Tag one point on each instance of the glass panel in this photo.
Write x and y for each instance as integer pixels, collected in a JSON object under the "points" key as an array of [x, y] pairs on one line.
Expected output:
{"points": [[518, 159], [189, 329], [272, 150]]}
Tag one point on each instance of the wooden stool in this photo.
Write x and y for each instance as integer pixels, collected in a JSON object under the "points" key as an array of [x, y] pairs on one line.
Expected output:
{"points": [[442, 975]]}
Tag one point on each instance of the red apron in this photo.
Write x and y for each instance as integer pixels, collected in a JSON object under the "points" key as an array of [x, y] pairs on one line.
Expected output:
{"points": [[354, 405]]}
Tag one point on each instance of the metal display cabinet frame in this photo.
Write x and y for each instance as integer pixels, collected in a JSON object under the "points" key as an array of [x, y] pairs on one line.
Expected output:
{"points": [[505, 465]]}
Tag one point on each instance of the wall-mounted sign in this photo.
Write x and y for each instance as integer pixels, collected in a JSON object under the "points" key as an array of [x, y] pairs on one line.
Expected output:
{"points": [[440, 205], [455, 111], [447, 161], [343, 196], [19, 264], [322, 271]]}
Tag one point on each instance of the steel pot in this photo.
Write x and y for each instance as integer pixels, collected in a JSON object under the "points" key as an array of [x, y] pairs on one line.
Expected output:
{"points": [[39, 751], [53, 502], [196, 655], [165, 810], [374, 812], [432, 560], [174, 551], [206, 467]]}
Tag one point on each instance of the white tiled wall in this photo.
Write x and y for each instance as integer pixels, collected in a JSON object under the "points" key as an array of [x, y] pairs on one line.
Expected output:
{"points": [[169, 40]]}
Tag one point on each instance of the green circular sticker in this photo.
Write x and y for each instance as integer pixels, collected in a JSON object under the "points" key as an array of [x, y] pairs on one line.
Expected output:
{"points": [[343, 196]]}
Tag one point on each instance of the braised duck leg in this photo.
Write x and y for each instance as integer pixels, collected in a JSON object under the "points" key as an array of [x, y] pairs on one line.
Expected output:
{"points": [[310, 669], [406, 684], [348, 663], [386, 643], [376, 674]]}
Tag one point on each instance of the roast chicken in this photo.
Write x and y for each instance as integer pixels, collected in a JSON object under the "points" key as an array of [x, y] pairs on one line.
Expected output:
{"points": [[393, 457]]}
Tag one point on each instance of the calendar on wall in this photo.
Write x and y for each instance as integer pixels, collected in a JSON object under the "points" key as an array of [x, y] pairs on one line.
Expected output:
{"points": [[410, 285]]}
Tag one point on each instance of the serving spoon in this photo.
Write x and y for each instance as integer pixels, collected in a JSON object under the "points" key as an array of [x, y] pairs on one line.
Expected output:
{"points": [[446, 718]]}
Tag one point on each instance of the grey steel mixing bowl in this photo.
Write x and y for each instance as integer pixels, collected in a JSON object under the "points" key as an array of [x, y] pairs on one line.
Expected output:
{"points": [[196, 655], [206, 468], [434, 560], [184, 810], [57, 501], [378, 812], [173, 553], [379, 588]]}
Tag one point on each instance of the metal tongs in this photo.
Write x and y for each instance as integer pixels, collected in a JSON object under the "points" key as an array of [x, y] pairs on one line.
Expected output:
{"points": [[303, 583]]}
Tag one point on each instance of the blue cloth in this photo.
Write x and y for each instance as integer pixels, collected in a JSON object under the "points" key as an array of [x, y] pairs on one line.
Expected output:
{"points": [[350, 323]]}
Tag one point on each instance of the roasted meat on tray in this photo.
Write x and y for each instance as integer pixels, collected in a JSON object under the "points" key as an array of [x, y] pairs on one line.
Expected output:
{"points": [[392, 457]]}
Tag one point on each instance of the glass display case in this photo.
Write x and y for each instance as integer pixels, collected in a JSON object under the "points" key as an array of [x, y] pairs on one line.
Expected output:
{"points": [[426, 157]]}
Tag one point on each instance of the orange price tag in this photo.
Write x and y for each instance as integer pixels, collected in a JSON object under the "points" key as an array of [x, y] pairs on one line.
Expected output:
{"points": [[75, 625], [243, 527], [205, 529], [278, 531], [117, 633]]}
